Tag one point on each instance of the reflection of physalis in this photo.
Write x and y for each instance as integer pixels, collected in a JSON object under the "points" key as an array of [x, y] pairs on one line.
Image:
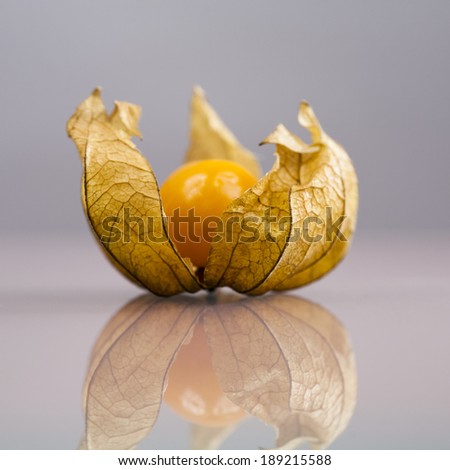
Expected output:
{"points": [[254, 233], [193, 390], [281, 359]]}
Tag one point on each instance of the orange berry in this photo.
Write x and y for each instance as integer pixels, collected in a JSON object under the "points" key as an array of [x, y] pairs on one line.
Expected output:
{"points": [[195, 196], [193, 390]]}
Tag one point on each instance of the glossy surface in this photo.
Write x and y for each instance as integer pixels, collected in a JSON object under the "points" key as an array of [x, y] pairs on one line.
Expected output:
{"points": [[282, 359], [391, 294], [194, 196]]}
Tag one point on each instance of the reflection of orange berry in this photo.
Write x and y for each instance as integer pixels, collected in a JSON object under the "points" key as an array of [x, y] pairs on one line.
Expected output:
{"points": [[193, 390], [200, 190]]}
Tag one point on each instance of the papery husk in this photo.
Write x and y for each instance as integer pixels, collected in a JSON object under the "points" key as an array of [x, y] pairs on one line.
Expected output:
{"points": [[307, 183], [117, 178], [312, 182]]}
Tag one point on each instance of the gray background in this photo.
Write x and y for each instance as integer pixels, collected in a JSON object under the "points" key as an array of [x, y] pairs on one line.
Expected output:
{"points": [[376, 73]]}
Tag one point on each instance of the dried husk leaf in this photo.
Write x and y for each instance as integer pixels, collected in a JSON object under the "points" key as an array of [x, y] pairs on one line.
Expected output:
{"points": [[305, 182], [126, 379], [282, 359], [210, 138], [287, 362], [117, 177]]}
